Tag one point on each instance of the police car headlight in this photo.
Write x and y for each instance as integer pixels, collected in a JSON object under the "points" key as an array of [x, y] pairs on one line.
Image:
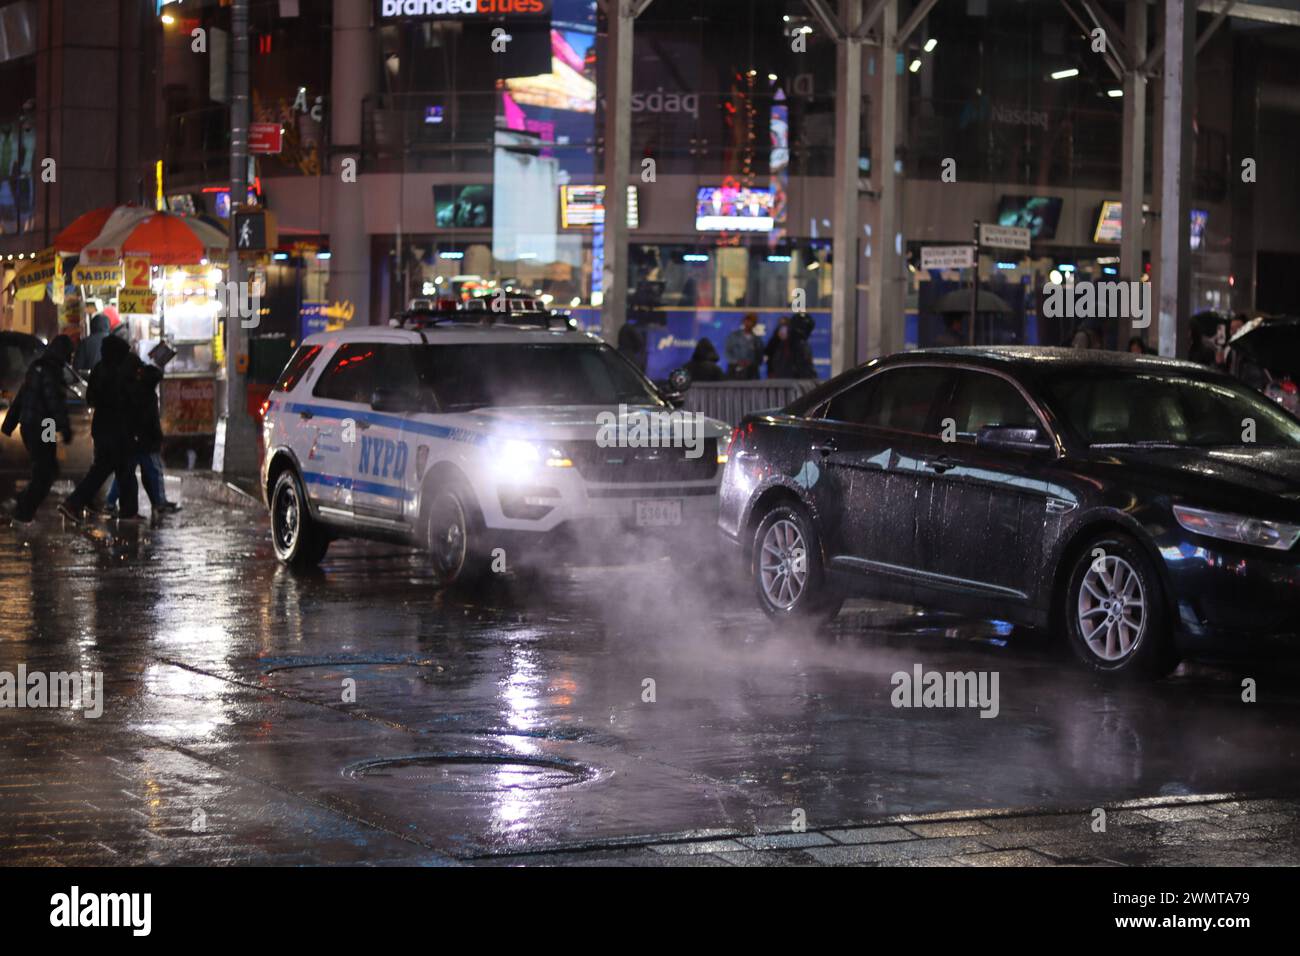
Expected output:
{"points": [[515, 454]]}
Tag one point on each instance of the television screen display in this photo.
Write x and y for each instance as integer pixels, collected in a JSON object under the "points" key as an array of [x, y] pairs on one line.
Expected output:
{"points": [[462, 207], [1199, 219], [1038, 214], [582, 206], [734, 209], [1110, 222]]}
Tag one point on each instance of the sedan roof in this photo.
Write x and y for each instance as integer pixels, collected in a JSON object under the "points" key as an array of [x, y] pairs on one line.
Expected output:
{"points": [[1042, 357]]}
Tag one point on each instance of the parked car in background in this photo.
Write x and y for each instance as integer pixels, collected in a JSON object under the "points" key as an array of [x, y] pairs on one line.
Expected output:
{"points": [[1143, 509], [17, 351]]}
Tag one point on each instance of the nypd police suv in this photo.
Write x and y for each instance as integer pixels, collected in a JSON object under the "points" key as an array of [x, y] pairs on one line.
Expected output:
{"points": [[465, 432]]}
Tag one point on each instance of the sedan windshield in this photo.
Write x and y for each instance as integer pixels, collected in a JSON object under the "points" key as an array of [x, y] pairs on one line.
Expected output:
{"points": [[1149, 408], [472, 376]]}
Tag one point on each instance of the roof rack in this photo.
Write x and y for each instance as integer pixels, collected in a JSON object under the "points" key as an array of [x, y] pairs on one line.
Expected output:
{"points": [[522, 313]]}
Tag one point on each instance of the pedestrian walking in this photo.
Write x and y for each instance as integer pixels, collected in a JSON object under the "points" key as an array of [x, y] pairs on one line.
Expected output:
{"points": [[112, 395], [148, 436], [40, 409]]}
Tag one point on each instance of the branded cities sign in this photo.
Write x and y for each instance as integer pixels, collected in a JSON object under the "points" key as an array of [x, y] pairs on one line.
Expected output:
{"points": [[460, 9]]}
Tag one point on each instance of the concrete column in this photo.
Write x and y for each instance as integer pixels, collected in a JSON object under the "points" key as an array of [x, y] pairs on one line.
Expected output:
{"points": [[352, 79], [848, 139], [1177, 104], [885, 296], [1133, 161], [616, 71]]}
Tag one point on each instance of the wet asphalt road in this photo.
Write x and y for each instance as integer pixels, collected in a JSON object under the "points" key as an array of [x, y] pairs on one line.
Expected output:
{"points": [[514, 719]]}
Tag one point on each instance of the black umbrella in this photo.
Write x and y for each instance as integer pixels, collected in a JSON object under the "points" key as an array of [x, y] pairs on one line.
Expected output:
{"points": [[959, 301]]}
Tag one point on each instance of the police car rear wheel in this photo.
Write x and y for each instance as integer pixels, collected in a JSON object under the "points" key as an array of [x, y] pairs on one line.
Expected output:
{"points": [[451, 536], [298, 541]]}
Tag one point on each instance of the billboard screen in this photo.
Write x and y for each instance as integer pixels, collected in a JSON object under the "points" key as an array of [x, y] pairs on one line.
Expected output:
{"points": [[734, 209]]}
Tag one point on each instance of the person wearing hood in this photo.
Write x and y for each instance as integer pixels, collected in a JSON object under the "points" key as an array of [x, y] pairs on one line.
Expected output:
{"points": [[112, 394], [703, 365], [40, 409], [88, 350], [788, 355], [148, 432]]}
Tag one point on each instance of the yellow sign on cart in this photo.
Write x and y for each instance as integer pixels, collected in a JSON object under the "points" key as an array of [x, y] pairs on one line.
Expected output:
{"points": [[108, 276], [34, 276]]}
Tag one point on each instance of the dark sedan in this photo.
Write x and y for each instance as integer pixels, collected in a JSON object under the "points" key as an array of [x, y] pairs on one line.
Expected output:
{"points": [[1147, 509]]}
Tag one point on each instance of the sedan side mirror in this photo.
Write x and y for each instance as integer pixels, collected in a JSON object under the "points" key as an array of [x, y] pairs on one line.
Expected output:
{"points": [[1012, 437], [392, 400]]}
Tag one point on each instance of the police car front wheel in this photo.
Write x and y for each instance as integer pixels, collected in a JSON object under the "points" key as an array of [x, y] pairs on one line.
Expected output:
{"points": [[453, 534], [298, 540]]}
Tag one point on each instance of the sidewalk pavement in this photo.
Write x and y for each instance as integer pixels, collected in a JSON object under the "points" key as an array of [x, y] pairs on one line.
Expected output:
{"points": [[1214, 830]]}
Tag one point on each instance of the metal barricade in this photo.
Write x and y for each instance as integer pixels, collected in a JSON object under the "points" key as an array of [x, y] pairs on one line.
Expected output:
{"points": [[732, 401]]}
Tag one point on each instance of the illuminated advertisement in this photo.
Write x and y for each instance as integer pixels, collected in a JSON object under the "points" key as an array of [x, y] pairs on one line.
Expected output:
{"points": [[584, 206], [1110, 222], [460, 9], [734, 209]]}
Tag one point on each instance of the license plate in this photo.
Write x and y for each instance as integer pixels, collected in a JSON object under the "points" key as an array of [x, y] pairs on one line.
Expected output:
{"points": [[659, 513]]}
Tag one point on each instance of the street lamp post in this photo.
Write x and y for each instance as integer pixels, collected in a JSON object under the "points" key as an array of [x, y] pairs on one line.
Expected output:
{"points": [[239, 449]]}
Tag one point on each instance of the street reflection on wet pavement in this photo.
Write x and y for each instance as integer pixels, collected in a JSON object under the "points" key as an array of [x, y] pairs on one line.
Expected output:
{"points": [[358, 714]]}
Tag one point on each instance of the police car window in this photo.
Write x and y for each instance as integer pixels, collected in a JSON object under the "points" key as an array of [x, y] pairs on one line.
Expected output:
{"points": [[297, 367], [472, 376], [350, 373], [397, 369]]}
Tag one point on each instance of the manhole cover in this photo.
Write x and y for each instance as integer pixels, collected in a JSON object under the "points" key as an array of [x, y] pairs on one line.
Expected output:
{"points": [[471, 773]]}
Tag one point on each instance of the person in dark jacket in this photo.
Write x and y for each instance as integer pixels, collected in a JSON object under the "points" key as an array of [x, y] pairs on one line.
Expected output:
{"points": [[112, 393], [703, 365], [88, 350], [148, 439], [41, 409], [632, 342], [788, 355]]}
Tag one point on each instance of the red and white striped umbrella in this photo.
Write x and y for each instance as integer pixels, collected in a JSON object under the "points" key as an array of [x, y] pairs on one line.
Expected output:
{"points": [[167, 239], [83, 230]]}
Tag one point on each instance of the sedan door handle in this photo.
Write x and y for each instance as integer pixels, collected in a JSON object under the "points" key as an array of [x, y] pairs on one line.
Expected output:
{"points": [[942, 463], [305, 416], [824, 449]]}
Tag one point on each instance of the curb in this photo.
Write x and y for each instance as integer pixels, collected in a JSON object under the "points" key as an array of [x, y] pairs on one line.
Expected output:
{"points": [[208, 486]]}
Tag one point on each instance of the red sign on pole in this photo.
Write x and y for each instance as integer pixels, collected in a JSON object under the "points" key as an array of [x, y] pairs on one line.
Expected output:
{"points": [[264, 137]]}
